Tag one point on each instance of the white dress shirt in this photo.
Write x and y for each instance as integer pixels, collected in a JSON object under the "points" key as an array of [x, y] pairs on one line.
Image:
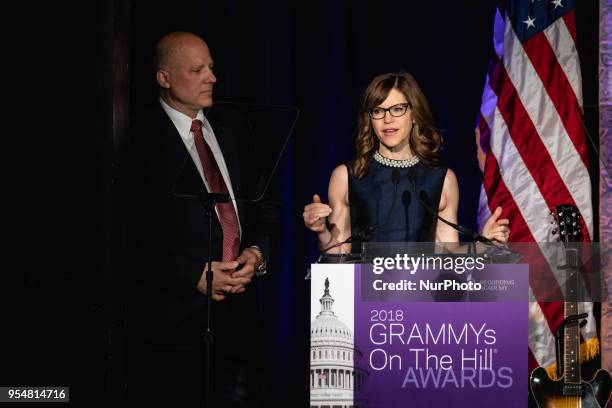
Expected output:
{"points": [[182, 123]]}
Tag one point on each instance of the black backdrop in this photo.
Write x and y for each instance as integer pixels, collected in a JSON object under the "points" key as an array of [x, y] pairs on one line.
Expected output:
{"points": [[77, 68]]}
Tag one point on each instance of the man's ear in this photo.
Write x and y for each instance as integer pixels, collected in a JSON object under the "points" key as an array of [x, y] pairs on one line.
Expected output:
{"points": [[163, 78]]}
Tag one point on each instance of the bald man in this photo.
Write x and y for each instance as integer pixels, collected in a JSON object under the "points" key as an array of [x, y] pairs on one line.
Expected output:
{"points": [[179, 152]]}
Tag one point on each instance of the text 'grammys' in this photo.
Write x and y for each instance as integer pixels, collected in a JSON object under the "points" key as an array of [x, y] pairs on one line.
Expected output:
{"points": [[435, 356]]}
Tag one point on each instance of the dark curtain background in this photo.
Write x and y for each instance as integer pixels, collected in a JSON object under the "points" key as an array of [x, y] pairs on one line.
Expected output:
{"points": [[56, 295], [68, 77]]}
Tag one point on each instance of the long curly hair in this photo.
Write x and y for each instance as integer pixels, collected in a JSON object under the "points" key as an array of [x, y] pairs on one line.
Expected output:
{"points": [[424, 140]]}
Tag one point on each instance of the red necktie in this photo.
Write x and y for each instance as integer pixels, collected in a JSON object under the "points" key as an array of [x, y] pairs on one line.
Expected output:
{"points": [[226, 211]]}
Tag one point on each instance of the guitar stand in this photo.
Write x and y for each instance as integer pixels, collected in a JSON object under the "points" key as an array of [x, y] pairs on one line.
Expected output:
{"points": [[559, 338]]}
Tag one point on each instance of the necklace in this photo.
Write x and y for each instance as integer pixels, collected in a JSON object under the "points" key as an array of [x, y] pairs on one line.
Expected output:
{"points": [[396, 163]]}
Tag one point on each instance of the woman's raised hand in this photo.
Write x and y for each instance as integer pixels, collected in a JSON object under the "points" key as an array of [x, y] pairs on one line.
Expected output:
{"points": [[315, 214], [497, 229]]}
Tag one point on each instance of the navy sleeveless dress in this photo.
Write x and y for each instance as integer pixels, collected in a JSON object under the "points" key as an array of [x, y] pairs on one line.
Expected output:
{"points": [[371, 202]]}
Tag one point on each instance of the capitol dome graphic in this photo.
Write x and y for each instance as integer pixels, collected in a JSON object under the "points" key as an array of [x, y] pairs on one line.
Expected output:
{"points": [[333, 378]]}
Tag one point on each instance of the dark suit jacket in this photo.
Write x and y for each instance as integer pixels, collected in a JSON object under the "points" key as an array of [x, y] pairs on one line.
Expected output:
{"points": [[169, 232]]}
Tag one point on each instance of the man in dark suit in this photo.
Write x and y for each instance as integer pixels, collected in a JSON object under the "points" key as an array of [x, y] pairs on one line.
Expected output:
{"points": [[182, 150]]}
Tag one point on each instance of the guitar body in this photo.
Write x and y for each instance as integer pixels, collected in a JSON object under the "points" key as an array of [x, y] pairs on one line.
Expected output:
{"points": [[550, 394], [571, 391]]}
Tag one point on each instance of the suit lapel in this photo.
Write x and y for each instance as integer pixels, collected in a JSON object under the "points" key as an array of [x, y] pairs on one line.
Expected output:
{"points": [[180, 166]]}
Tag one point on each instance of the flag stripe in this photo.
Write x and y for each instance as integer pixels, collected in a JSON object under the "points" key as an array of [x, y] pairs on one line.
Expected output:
{"points": [[541, 339], [570, 22], [566, 54]]}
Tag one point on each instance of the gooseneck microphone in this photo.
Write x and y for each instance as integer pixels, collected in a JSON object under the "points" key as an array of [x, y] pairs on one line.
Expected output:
{"points": [[365, 233], [424, 200]]}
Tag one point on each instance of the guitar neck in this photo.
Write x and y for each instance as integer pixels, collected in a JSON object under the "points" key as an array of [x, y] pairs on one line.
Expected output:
{"points": [[571, 354]]}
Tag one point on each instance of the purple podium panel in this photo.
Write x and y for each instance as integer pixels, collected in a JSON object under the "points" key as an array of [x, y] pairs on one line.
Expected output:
{"points": [[419, 338]]}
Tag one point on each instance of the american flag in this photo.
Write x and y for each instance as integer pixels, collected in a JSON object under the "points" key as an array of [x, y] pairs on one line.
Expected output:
{"points": [[532, 145]]}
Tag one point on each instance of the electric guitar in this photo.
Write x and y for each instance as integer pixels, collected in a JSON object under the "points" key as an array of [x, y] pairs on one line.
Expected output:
{"points": [[570, 391]]}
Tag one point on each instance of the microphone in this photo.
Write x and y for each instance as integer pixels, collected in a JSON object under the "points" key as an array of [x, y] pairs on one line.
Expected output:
{"points": [[365, 233], [424, 200]]}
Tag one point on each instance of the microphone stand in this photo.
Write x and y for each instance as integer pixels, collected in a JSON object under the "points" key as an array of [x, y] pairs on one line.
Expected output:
{"points": [[209, 201], [422, 197], [476, 237]]}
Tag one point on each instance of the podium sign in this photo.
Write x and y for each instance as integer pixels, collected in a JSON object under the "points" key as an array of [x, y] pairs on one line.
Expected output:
{"points": [[396, 337]]}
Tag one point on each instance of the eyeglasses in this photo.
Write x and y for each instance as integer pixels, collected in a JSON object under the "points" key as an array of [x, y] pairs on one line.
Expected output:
{"points": [[395, 110]]}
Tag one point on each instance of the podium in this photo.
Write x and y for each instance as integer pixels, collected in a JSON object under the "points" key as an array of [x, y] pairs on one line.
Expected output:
{"points": [[386, 332]]}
